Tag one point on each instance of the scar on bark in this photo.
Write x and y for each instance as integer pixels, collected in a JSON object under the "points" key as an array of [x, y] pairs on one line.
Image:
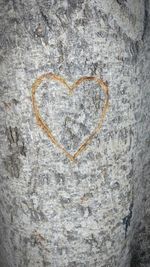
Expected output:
{"points": [[71, 88], [39, 240]]}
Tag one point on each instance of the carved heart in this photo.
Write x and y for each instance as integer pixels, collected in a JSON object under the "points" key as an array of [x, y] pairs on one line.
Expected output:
{"points": [[70, 89]]}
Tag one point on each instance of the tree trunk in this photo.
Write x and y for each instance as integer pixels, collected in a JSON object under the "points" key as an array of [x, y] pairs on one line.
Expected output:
{"points": [[74, 172]]}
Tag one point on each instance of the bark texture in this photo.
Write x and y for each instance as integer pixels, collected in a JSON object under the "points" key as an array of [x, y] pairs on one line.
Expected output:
{"points": [[93, 212]]}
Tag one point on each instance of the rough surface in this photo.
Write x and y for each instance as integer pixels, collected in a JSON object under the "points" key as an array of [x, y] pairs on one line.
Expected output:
{"points": [[93, 212]]}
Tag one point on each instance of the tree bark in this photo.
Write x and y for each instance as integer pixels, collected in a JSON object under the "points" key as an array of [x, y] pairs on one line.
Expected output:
{"points": [[89, 210]]}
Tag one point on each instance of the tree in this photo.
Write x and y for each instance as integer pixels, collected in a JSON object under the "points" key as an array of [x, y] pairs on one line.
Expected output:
{"points": [[90, 210]]}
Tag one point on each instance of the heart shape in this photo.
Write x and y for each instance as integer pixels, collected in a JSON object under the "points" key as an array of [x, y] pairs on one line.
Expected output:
{"points": [[70, 89]]}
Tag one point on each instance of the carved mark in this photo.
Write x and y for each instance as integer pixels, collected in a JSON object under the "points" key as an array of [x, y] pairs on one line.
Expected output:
{"points": [[16, 146], [12, 135], [71, 90], [12, 164], [16, 142]]}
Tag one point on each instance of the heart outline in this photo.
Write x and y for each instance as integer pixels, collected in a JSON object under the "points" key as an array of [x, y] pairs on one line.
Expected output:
{"points": [[71, 89]]}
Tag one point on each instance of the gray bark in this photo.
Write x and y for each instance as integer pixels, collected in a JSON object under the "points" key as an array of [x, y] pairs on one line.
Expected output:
{"points": [[94, 211]]}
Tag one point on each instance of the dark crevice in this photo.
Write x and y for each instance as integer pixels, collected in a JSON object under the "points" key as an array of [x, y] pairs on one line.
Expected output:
{"points": [[45, 18], [127, 219], [121, 2], [145, 19]]}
